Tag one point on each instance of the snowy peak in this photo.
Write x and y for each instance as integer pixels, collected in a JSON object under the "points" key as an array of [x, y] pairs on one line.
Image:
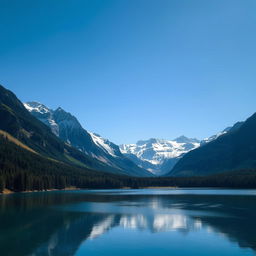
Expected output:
{"points": [[44, 114], [36, 107], [235, 127], [68, 129], [159, 156], [58, 120], [156, 151], [214, 137]]}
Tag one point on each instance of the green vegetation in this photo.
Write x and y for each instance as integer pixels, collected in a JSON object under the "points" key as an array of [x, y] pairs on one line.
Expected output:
{"points": [[32, 133], [22, 170], [33, 158]]}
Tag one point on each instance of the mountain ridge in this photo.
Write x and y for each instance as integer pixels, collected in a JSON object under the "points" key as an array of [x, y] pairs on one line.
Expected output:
{"points": [[233, 150], [155, 154], [68, 129]]}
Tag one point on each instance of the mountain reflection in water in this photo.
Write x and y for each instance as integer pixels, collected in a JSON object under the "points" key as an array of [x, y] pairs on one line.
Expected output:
{"points": [[59, 223]]}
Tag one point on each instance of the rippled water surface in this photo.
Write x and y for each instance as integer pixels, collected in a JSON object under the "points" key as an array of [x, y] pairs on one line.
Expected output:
{"points": [[148, 222]]}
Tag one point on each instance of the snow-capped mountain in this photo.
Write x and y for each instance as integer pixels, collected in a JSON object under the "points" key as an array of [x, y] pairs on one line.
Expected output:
{"points": [[225, 131], [157, 156], [105, 145], [44, 114], [234, 150], [160, 156], [153, 154], [67, 128]]}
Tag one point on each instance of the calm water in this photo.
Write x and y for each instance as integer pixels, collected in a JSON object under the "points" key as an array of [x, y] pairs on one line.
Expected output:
{"points": [[129, 222]]}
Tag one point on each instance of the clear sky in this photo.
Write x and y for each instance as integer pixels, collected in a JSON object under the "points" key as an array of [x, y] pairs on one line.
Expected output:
{"points": [[134, 69]]}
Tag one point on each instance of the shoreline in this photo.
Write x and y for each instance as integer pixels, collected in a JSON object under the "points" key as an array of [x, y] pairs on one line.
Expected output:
{"points": [[9, 192]]}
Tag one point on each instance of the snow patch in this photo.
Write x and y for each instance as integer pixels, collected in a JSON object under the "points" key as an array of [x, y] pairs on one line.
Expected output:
{"points": [[156, 151], [37, 107], [102, 143]]}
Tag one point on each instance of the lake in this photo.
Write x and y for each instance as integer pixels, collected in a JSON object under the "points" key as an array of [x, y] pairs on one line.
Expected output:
{"points": [[177, 222]]}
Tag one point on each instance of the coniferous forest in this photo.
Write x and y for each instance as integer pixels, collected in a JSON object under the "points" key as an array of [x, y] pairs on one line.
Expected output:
{"points": [[21, 170], [32, 158], [127, 128]]}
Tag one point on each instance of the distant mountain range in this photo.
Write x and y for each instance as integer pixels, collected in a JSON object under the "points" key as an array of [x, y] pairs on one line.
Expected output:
{"points": [[68, 129], [41, 148], [234, 149], [158, 155], [33, 158]]}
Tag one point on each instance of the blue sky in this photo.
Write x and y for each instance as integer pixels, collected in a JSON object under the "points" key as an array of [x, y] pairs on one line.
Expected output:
{"points": [[134, 69]]}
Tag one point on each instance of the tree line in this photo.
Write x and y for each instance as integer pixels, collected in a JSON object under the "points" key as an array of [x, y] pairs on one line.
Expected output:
{"points": [[21, 170]]}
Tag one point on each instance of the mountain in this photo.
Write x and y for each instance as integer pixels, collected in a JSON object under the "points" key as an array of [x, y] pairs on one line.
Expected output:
{"points": [[24, 169], [158, 155], [233, 150], [68, 129], [228, 129], [19, 123], [33, 158]]}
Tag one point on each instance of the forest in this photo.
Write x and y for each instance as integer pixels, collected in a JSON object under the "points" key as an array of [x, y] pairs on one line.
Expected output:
{"points": [[22, 170]]}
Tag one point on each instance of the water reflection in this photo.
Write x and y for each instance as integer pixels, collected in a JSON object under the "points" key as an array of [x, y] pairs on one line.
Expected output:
{"points": [[58, 223], [68, 238]]}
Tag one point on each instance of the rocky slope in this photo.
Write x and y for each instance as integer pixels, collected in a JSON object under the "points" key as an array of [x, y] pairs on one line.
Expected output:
{"points": [[68, 129], [233, 150], [157, 155]]}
